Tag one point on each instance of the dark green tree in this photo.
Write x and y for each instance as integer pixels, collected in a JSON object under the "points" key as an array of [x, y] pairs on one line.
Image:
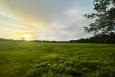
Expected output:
{"points": [[104, 17]]}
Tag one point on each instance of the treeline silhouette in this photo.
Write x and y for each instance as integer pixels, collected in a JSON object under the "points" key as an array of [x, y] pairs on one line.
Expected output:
{"points": [[47, 41], [3, 39], [100, 38]]}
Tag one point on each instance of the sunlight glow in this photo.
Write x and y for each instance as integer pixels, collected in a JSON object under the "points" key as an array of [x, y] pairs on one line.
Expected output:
{"points": [[27, 37]]}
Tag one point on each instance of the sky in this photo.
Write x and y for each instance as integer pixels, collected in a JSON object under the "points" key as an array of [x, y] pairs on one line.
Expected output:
{"points": [[44, 19]]}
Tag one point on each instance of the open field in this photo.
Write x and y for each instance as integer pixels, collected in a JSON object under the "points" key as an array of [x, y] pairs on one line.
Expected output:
{"points": [[32, 59]]}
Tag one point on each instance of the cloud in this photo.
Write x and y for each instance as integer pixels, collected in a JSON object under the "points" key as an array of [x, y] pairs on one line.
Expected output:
{"points": [[71, 24], [48, 19]]}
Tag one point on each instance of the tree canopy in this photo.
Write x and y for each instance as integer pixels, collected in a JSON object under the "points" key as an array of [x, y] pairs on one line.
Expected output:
{"points": [[104, 17]]}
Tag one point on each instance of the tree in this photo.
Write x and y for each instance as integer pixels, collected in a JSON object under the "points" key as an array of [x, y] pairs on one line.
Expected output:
{"points": [[104, 17]]}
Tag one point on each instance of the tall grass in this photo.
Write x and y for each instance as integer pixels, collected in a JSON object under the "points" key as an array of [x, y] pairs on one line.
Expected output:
{"points": [[33, 59]]}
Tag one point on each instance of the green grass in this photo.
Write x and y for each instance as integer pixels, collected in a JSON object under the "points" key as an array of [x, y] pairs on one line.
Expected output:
{"points": [[32, 59]]}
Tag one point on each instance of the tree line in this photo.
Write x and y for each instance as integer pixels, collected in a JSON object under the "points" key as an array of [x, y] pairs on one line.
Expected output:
{"points": [[100, 38]]}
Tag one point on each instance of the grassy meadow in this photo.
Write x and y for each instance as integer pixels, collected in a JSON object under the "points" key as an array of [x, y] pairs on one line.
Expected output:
{"points": [[34, 59]]}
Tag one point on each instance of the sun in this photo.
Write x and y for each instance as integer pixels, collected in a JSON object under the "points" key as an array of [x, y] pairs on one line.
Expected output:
{"points": [[27, 37]]}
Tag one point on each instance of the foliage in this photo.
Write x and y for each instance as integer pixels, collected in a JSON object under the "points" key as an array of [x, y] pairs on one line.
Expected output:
{"points": [[104, 17], [100, 38]]}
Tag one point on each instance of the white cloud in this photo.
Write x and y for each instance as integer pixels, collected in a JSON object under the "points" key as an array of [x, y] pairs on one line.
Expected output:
{"points": [[50, 20], [71, 24]]}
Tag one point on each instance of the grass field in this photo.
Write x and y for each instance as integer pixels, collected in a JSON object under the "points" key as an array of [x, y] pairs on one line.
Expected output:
{"points": [[32, 59]]}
